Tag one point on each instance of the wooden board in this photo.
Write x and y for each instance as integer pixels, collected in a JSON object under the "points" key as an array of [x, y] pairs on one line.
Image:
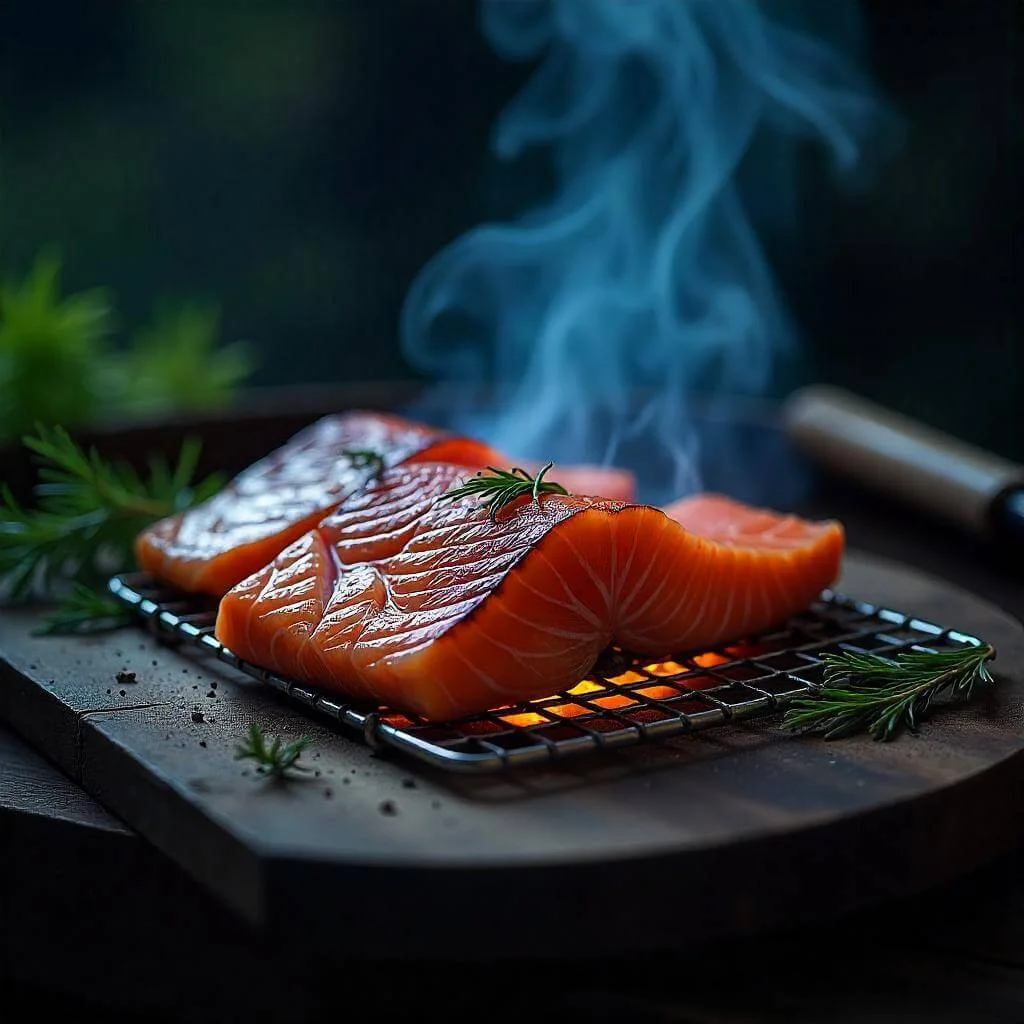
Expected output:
{"points": [[711, 834]]}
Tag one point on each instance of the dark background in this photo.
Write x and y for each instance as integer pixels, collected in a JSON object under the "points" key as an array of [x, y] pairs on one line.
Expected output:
{"points": [[299, 162]]}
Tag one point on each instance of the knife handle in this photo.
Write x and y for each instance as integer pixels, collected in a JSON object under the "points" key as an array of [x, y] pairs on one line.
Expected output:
{"points": [[901, 457]]}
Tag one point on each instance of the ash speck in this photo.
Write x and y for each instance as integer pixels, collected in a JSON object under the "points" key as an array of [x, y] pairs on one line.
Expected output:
{"points": [[409, 783], [388, 808], [124, 676], [197, 717], [122, 692]]}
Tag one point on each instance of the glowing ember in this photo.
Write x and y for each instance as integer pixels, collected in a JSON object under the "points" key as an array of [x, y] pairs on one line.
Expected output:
{"points": [[658, 692], [666, 668], [587, 686], [626, 677], [524, 720], [711, 659], [569, 710], [618, 700]]}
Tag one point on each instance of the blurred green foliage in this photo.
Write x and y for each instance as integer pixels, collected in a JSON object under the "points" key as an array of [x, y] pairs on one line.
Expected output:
{"points": [[53, 350], [60, 363], [178, 364], [300, 160]]}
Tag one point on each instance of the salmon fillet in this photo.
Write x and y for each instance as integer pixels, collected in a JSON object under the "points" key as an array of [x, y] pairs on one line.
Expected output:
{"points": [[213, 546], [434, 608], [607, 481]]}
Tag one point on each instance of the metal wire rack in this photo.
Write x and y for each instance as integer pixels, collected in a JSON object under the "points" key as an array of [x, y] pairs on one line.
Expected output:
{"points": [[625, 700]]}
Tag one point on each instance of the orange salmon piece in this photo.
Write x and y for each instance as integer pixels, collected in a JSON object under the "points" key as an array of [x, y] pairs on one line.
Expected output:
{"points": [[599, 481], [433, 608], [210, 548]]}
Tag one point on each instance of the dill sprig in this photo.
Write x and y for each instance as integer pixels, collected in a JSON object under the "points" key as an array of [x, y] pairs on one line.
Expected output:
{"points": [[86, 516], [502, 487], [885, 696], [365, 458], [275, 759], [85, 610]]}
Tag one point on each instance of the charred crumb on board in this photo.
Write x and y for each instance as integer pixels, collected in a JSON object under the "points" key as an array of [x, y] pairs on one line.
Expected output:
{"points": [[197, 717], [408, 783], [388, 808], [126, 676]]}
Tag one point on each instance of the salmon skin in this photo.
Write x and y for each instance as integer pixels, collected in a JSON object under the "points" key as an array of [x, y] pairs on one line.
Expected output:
{"points": [[210, 548], [434, 608]]}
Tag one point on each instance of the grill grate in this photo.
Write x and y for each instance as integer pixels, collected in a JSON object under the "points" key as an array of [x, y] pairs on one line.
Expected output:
{"points": [[625, 700]]}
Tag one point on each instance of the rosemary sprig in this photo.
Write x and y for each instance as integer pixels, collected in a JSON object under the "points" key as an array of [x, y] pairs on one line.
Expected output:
{"points": [[274, 760], [503, 487], [885, 696], [85, 610], [87, 515], [365, 458]]}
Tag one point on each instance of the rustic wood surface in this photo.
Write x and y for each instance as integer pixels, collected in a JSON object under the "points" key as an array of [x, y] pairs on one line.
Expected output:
{"points": [[96, 918], [721, 830]]}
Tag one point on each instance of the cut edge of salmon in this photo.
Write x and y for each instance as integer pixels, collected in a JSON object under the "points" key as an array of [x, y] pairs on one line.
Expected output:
{"points": [[465, 669]]}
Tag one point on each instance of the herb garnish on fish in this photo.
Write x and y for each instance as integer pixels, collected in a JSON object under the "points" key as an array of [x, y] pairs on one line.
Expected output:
{"points": [[82, 528], [885, 696], [365, 459], [502, 487]]}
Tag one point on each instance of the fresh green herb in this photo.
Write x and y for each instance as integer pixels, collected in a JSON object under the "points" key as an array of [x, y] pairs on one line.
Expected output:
{"points": [[502, 487], [87, 515], [364, 458], [59, 362], [274, 760], [178, 363], [884, 696], [85, 610], [53, 351]]}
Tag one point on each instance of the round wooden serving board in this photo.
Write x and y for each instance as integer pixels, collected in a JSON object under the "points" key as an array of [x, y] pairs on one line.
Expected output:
{"points": [[722, 832]]}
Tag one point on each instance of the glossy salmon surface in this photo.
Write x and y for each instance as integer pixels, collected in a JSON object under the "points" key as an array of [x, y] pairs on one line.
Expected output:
{"points": [[210, 548], [426, 605]]}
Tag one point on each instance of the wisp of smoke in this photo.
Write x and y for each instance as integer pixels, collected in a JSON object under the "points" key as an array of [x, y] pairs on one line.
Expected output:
{"points": [[637, 286]]}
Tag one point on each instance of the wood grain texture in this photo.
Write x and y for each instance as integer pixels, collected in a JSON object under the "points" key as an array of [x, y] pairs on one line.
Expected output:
{"points": [[31, 786], [721, 831]]}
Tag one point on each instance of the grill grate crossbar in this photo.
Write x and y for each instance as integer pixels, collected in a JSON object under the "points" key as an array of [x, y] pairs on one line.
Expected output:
{"points": [[625, 700]]}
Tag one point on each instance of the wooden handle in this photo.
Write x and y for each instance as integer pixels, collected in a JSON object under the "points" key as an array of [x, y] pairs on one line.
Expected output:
{"points": [[891, 453]]}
